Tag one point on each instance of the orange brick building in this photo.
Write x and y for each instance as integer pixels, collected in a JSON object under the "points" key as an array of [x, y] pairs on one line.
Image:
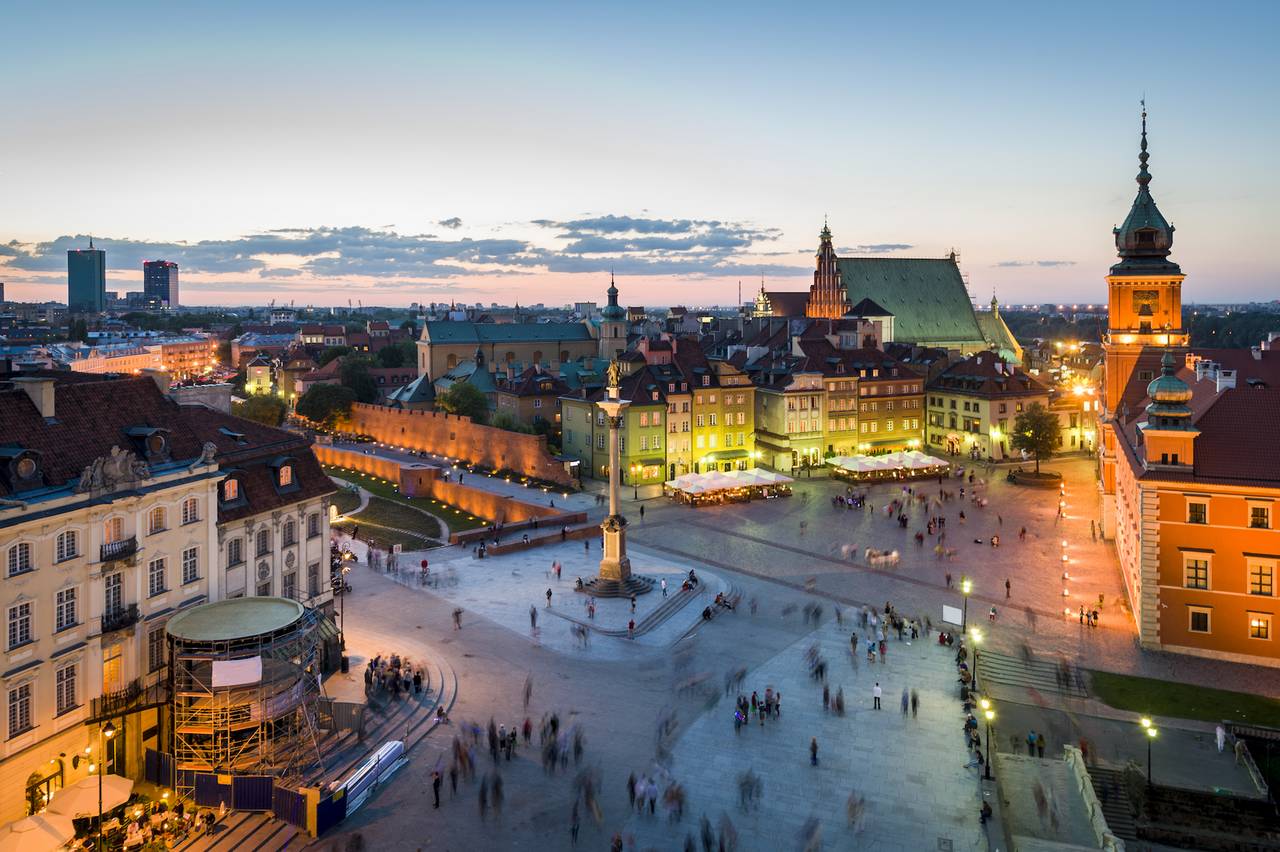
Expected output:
{"points": [[1189, 468]]}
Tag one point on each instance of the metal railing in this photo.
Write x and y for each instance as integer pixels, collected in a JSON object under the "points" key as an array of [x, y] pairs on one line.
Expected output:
{"points": [[119, 618], [122, 549], [135, 696]]}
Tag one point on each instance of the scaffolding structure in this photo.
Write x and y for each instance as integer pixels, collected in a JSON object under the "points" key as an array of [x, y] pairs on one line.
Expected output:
{"points": [[264, 727]]}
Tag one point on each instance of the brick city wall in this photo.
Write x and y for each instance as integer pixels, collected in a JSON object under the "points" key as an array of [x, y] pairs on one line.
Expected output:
{"points": [[457, 437], [424, 481]]}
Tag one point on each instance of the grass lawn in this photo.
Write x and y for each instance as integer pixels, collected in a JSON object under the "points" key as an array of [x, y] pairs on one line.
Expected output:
{"points": [[454, 517], [1183, 701], [382, 520], [345, 500]]}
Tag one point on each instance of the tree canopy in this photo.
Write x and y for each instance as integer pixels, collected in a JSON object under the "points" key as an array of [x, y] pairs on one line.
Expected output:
{"points": [[402, 354], [354, 374], [332, 352], [1038, 431], [326, 404], [464, 399], [262, 408]]}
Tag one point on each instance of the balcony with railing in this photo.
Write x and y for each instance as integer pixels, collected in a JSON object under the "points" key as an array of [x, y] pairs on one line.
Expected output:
{"points": [[136, 696], [121, 549], [119, 618]]}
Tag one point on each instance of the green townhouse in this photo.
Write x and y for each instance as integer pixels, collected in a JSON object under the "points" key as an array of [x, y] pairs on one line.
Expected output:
{"points": [[642, 442]]}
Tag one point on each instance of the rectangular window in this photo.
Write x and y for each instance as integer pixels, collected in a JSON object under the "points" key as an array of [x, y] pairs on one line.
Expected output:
{"points": [[1196, 573], [1197, 513], [1259, 625], [698, 420], [874, 425], [19, 709], [1198, 619], [313, 524], [113, 592], [65, 609], [599, 442], [264, 542], [698, 442], [290, 585], [1260, 517], [888, 426], [1261, 578], [644, 442], [644, 418], [64, 689], [313, 579], [537, 403], [67, 546], [20, 628], [712, 442], [19, 559], [235, 552], [713, 419], [155, 648], [155, 577], [656, 443], [190, 565], [657, 418], [189, 512]]}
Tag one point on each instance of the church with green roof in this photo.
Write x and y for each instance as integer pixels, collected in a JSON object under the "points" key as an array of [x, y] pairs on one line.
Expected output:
{"points": [[926, 298]]}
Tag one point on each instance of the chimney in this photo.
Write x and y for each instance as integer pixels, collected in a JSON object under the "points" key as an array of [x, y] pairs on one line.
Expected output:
{"points": [[1256, 352], [41, 392], [160, 377]]}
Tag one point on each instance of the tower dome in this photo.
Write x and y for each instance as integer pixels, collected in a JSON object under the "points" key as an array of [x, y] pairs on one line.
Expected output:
{"points": [[613, 311], [1169, 394]]}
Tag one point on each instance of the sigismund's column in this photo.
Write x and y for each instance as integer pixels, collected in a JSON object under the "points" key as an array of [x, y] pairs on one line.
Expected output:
{"points": [[614, 565]]}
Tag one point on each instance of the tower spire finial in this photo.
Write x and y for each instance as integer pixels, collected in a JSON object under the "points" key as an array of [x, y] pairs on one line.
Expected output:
{"points": [[1144, 177]]}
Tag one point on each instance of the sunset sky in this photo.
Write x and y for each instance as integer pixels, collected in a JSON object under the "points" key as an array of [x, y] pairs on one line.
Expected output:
{"points": [[401, 152]]}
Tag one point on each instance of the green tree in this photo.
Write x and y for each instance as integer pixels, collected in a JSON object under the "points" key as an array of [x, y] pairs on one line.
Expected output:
{"points": [[262, 408], [1038, 431], [354, 374], [401, 354], [510, 424], [78, 329], [464, 399], [333, 352], [326, 404]]}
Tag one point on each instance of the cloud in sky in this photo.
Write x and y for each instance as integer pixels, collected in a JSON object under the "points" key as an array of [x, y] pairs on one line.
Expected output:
{"points": [[1041, 263], [625, 244]]}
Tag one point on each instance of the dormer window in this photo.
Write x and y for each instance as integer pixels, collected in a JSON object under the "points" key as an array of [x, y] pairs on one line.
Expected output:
{"points": [[230, 490], [285, 478], [286, 475], [1146, 238]]}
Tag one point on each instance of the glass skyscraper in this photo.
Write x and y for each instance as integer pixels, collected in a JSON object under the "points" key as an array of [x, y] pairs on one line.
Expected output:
{"points": [[160, 283], [87, 280]]}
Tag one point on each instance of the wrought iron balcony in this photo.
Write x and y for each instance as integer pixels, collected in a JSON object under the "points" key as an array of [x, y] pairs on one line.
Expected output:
{"points": [[122, 549], [119, 618], [136, 696]]}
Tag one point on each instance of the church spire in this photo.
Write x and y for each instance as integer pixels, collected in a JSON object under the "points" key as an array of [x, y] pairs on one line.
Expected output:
{"points": [[1145, 238]]}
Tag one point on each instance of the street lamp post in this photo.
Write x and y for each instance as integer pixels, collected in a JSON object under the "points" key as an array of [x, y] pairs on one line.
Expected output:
{"points": [[108, 731], [966, 586], [635, 484], [1151, 731], [976, 635], [990, 716]]}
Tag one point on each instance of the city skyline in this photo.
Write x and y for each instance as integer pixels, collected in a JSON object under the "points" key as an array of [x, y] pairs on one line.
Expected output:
{"points": [[447, 160]]}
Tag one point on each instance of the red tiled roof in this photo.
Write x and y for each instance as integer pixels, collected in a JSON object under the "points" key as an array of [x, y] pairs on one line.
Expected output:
{"points": [[788, 303], [90, 418]]}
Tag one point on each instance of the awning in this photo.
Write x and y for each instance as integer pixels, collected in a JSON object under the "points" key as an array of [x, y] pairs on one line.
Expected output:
{"points": [[325, 627], [728, 454], [652, 462]]}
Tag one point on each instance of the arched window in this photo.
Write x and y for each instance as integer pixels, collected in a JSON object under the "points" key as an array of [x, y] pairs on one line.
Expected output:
{"points": [[113, 530], [289, 535], [190, 511], [155, 520], [67, 545], [264, 542]]}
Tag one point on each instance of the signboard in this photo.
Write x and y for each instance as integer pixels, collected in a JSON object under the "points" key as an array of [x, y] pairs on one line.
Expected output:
{"points": [[952, 615]]}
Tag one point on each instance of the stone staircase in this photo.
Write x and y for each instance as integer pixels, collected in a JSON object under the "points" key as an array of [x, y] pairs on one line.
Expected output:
{"points": [[663, 612], [246, 831], [1117, 807], [1040, 675]]}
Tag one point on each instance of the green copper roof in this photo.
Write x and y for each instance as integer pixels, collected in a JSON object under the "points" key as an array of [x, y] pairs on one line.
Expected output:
{"points": [[998, 334], [443, 331], [1145, 238], [926, 296]]}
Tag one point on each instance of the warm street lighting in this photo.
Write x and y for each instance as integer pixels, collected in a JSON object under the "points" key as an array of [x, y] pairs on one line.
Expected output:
{"points": [[108, 732], [966, 586], [976, 635], [1151, 731], [990, 716]]}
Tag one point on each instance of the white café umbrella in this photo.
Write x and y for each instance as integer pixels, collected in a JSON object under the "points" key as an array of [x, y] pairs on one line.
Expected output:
{"points": [[37, 833], [81, 798]]}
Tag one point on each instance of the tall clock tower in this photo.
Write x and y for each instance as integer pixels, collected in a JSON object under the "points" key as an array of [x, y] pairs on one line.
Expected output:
{"points": [[1144, 290], [1144, 296]]}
